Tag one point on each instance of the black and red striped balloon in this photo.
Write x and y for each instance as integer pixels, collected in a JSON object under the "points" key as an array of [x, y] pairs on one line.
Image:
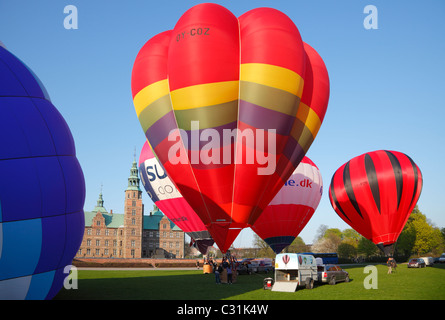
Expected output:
{"points": [[375, 193]]}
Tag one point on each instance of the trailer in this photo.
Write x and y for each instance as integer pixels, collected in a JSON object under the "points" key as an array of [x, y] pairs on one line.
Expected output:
{"points": [[293, 270]]}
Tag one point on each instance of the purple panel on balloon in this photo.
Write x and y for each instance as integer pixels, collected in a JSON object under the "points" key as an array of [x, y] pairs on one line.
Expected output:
{"points": [[60, 132], [53, 243], [27, 79], [52, 185], [75, 184], [74, 223], [20, 190]]}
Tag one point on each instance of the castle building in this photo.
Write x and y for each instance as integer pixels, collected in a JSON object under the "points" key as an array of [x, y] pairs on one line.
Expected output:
{"points": [[130, 234]]}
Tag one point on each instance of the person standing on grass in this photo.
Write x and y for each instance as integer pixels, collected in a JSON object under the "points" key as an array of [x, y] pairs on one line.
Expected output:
{"points": [[217, 274], [391, 263], [229, 274]]}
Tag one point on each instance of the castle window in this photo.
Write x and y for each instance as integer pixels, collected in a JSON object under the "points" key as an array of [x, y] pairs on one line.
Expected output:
{"points": [[133, 232], [133, 243], [97, 242], [88, 252], [97, 252], [133, 221], [106, 243], [133, 203], [89, 231], [133, 212], [106, 252], [97, 223], [106, 232], [88, 242], [97, 232]]}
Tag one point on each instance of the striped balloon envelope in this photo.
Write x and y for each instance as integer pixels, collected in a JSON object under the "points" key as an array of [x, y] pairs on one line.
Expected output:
{"points": [[230, 106], [167, 198], [292, 208], [375, 193]]}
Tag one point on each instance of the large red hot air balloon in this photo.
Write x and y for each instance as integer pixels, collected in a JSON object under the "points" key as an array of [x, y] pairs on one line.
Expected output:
{"points": [[221, 101], [168, 199], [292, 208], [375, 193]]}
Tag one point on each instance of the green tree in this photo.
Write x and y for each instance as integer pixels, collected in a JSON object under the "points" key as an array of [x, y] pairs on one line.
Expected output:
{"points": [[366, 247], [333, 232], [297, 245], [406, 240], [264, 251], [346, 250], [420, 236]]}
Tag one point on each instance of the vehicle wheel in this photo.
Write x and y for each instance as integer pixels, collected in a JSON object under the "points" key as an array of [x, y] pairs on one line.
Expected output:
{"points": [[309, 283], [332, 281], [347, 279]]}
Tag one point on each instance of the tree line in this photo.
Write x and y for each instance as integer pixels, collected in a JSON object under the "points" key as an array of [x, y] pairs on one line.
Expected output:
{"points": [[419, 237]]}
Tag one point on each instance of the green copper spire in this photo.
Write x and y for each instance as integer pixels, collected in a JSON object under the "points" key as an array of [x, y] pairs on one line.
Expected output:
{"points": [[133, 179], [100, 203]]}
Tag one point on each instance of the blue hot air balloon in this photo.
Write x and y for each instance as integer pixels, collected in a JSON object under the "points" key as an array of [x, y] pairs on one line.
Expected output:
{"points": [[42, 188]]}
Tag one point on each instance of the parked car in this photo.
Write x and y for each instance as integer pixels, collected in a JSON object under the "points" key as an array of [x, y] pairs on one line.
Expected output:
{"points": [[245, 266], [442, 258], [416, 263], [329, 273], [429, 261]]}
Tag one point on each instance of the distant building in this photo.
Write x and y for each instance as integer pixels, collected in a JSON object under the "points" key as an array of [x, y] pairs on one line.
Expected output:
{"points": [[130, 234]]}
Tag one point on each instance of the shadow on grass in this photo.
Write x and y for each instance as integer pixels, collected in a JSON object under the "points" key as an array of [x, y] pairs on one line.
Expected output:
{"points": [[185, 286]]}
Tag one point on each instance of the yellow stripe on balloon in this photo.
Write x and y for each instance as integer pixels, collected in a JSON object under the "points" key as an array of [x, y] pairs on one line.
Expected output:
{"points": [[309, 117], [150, 94], [273, 76], [204, 95]]}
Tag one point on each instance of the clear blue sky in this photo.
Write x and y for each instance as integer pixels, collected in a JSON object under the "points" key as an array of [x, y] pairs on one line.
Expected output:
{"points": [[387, 85]]}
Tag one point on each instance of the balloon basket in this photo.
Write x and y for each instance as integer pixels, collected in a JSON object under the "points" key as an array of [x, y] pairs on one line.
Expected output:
{"points": [[223, 276], [207, 268]]}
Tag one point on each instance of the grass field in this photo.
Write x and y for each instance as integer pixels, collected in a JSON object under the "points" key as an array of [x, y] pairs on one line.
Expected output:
{"points": [[404, 284]]}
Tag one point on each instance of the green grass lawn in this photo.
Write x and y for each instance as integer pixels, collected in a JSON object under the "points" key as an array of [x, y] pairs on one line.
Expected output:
{"points": [[405, 284]]}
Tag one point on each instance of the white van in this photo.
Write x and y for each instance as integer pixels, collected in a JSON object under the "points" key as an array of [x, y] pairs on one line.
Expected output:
{"points": [[429, 261], [293, 270]]}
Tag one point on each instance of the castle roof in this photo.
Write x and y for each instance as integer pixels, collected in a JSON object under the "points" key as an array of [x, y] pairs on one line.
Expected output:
{"points": [[116, 220]]}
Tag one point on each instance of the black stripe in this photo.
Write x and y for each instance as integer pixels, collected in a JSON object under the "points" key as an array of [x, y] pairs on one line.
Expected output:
{"points": [[349, 189], [334, 198], [398, 175], [372, 180], [416, 179]]}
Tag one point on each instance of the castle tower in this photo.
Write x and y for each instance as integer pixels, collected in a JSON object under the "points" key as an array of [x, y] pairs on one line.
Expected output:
{"points": [[134, 213]]}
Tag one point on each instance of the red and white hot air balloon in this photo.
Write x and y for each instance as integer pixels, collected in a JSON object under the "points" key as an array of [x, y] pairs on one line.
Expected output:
{"points": [[292, 208]]}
